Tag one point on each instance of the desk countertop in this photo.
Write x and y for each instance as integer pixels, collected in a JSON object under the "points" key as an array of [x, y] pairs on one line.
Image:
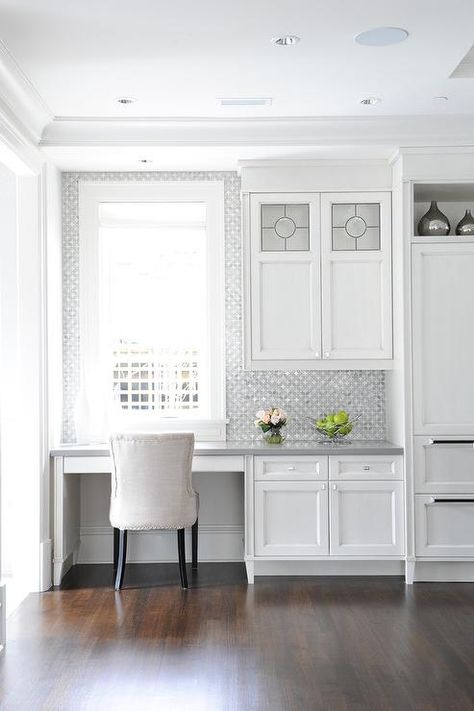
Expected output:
{"points": [[250, 447]]}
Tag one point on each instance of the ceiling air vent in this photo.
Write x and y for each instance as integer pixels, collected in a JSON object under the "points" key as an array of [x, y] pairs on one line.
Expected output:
{"points": [[465, 68], [244, 101]]}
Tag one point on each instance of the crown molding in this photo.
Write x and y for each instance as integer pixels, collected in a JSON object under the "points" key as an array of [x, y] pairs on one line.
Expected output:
{"points": [[391, 131], [22, 108]]}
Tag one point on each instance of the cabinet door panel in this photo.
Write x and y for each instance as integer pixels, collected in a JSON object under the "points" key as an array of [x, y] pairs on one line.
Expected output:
{"points": [[444, 525], [291, 518], [356, 276], [443, 338], [354, 316], [283, 315], [285, 284], [367, 518]]}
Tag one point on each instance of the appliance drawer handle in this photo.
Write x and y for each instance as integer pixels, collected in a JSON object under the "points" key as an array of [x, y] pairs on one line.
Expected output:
{"points": [[291, 469], [450, 442], [445, 500]]}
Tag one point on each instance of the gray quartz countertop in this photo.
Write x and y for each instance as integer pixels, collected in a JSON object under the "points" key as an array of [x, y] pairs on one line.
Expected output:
{"points": [[250, 447]]}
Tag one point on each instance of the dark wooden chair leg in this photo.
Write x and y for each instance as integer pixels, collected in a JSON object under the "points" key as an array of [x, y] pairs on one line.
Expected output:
{"points": [[194, 544], [182, 558], [116, 549], [122, 557]]}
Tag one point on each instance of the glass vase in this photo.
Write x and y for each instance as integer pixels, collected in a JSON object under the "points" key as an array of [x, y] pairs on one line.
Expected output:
{"points": [[273, 436]]}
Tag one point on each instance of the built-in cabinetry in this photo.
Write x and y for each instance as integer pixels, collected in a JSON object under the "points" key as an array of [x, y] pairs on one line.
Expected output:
{"points": [[330, 506], [443, 338], [318, 280], [440, 403]]}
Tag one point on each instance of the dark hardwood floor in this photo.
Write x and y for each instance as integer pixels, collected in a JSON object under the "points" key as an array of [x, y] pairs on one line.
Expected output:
{"points": [[281, 645]]}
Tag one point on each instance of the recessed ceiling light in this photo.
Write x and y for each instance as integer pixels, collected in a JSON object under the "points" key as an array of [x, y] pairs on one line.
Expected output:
{"points": [[381, 36], [285, 40], [245, 101], [124, 100], [370, 100]]}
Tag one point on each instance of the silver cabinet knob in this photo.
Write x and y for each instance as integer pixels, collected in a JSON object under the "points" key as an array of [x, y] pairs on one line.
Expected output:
{"points": [[324, 487], [326, 354], [291, 469], [334, 486], [316, 355], [366, 468]]}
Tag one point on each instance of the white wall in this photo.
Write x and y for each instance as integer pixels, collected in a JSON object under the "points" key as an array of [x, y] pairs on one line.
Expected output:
{"points": [[10, 416], [25, 473]]}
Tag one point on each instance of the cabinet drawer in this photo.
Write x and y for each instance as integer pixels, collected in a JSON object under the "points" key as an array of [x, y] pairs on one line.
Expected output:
{"points": [[358, 467], [285, 468], [444, 525], [444, 465]]}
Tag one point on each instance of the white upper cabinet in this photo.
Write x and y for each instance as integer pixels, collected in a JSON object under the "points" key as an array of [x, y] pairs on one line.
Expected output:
{"points": [[356, 276], [285, 277], [443, 338], [293, 319]]}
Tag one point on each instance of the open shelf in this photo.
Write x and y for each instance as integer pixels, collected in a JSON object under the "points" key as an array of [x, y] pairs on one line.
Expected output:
{"points": [[453, 200]]}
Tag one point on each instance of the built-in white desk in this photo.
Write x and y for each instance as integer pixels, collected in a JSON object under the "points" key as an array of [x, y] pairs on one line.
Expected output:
{"points": [[72, 462]]}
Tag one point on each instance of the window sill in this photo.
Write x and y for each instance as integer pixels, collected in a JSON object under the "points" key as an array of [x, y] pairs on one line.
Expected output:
{"points": [[204, 430]]}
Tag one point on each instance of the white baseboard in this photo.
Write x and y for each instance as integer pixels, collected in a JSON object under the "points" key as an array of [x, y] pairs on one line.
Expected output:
{"points": [[3, 618], [217, 543], [329, 567], [444, 572], [46, 565]]}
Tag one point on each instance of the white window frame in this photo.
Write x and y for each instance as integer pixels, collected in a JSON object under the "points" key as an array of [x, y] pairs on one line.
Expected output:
{"points": [[91, 195]]}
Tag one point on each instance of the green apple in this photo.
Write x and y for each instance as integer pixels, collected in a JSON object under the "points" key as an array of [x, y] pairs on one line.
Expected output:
{"points": [[341, 417]]}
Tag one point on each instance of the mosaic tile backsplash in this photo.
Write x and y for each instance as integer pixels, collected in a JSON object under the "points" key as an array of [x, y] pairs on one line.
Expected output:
{"points": [[301, 393]]}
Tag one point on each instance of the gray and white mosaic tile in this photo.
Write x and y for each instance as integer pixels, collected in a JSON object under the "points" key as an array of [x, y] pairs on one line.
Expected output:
{"points": [[301, 393]]}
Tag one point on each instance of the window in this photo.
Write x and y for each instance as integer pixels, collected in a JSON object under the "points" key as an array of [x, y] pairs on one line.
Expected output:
{"points": [[152, 304]]}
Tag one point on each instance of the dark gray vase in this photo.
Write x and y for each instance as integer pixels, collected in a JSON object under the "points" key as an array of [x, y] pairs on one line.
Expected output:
{"points": [[466, 226], [433, 222]]}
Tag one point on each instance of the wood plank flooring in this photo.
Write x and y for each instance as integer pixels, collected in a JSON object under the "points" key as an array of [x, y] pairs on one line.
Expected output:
{"points": [[334, 644]]}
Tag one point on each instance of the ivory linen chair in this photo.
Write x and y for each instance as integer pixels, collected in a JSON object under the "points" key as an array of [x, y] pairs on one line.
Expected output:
{"points": [[152, 490]]}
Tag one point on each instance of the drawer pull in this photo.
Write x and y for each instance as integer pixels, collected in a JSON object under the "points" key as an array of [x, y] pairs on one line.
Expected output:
{"points": [[366, 468], [441, 500], [449, 442], [291, 469]]}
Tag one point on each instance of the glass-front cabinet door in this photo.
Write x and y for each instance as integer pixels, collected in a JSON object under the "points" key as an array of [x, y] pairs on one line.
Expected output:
{"points": [[356, 276], [318, 280], [285, 289]]}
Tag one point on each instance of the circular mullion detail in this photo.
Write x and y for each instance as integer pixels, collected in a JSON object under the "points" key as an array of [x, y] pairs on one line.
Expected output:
{"points": [[355, 226], [285, 227]]}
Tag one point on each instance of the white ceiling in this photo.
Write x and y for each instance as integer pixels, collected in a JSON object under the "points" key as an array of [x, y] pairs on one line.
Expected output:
{"points": [[176, 58], [71, 60]]}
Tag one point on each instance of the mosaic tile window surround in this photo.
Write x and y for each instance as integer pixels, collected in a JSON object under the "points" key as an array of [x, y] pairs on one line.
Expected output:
{"points": [[300, 392]]}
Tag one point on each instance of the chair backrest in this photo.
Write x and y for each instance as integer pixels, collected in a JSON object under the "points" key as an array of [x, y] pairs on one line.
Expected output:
{"points": [[151, 481]]}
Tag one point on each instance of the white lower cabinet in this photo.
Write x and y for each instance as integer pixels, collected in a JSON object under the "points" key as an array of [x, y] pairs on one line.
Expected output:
{"points": [[299, 511], [367, 518], [291, 518], [444, 525]]}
